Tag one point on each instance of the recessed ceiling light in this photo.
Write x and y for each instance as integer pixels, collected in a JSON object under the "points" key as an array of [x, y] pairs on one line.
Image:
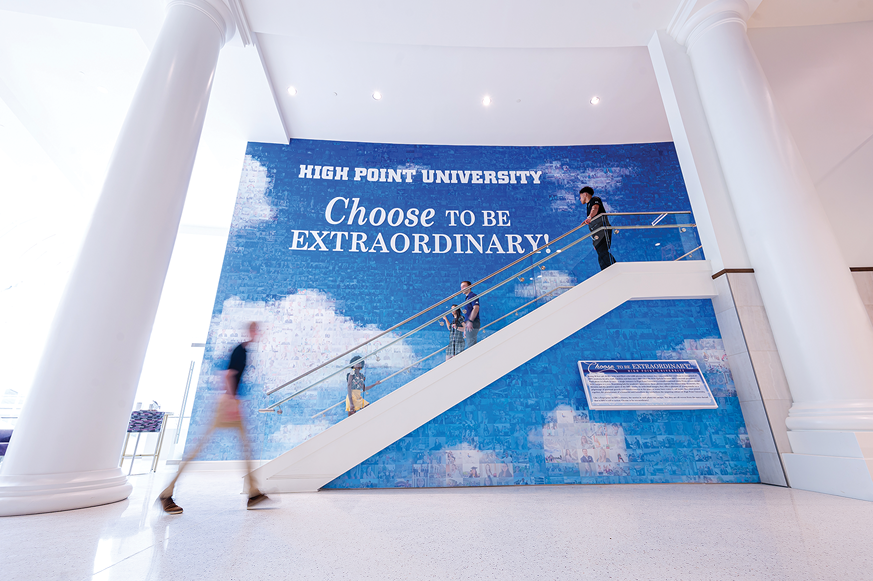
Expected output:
{"points": [[377, 95], [486, 100], [595, 100], [657, 243], [292, 91], [102, 90]]}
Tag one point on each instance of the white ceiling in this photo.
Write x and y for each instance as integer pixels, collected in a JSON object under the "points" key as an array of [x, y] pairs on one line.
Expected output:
{"points": [[72, 99], [434, 62], [462, 23], [434, 94]]}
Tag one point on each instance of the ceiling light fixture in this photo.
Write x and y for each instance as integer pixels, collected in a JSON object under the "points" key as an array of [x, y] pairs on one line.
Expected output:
{"points": [[377, 95], [595, 100], [292, 91], [486, 101]]}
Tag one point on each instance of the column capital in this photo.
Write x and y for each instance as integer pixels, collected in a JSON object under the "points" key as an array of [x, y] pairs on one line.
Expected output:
{"points": [[694, 18], [216, 10]]}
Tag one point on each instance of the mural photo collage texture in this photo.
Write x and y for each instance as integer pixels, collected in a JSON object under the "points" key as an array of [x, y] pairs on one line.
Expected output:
{"points": [[324, 263]]}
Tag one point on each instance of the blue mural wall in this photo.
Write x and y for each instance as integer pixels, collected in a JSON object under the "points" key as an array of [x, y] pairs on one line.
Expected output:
{"points": [[332, 243], [533, 426]]}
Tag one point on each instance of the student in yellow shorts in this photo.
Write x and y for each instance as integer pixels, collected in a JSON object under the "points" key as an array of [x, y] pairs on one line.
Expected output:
{"points": [[356, 386]]}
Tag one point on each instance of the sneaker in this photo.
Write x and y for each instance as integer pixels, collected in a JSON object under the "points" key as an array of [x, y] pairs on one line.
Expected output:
{"points": [[255, 500], [169, 506]]}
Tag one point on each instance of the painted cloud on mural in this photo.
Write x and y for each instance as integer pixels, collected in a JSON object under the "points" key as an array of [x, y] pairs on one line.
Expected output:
{"points": [[301, 331], [604, 180], [252, 206], [570, 438], [548, 284]]}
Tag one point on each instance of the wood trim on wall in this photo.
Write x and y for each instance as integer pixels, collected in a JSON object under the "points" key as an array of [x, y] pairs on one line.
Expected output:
{"points": [[752, 270], [732, 271]]}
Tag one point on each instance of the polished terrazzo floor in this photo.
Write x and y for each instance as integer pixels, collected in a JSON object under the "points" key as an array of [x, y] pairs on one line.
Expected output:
{"points": [[694, 532]]}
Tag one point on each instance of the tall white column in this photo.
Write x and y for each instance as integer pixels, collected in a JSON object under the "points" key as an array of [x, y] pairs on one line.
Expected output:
{"points": [[66, 445], [704, 179], [819, 323]]}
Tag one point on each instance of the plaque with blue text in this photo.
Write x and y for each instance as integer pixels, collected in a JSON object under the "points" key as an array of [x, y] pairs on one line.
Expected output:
{"points": [[645, 385]]}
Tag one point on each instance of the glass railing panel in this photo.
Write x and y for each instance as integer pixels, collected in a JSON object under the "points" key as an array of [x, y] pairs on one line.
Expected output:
{"points": [[314, 401]]}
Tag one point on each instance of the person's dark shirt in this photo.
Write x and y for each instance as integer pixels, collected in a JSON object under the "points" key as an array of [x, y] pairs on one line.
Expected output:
{"points": [[468, 309], [586, 459], [598, 220], [238, 364]]}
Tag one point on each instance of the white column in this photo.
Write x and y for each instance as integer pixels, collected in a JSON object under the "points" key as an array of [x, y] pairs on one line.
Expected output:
{"points": [[66, 445], [707, 191], [819, 324]]}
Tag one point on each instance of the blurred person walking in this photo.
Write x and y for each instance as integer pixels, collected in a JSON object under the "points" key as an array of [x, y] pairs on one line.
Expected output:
{"points": [[227, 415]]}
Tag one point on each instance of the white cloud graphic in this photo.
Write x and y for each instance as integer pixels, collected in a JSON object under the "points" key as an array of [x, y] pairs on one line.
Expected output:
{"points": [[547, 283], [604, 180], [712, 358], [252, 206], [417, 167], [569, 436], [299, 332]]}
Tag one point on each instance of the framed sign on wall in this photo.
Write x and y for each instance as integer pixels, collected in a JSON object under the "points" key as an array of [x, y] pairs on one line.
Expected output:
{"points": [[645, 385]]}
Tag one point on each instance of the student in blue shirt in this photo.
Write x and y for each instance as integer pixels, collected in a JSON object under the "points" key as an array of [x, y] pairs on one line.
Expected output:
{"points": [[471, 314]]}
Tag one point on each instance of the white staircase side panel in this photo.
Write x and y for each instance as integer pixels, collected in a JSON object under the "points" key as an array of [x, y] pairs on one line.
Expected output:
{"points": [[315, 462]]}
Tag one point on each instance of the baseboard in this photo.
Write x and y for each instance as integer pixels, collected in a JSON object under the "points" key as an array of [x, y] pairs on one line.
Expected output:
{"points": [[840, 476]]}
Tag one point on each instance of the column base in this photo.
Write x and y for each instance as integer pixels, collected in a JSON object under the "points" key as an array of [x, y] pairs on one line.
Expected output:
{"points": [[33, 494], [854, 415], [832, 462]]}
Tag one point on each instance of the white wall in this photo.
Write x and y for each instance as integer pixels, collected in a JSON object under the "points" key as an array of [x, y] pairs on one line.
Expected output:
{"points": [[42, 220], [182, 319], [822, 78]]}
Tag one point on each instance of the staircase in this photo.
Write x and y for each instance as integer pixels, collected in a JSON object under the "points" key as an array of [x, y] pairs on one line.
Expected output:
{"points": [[314, 463]]}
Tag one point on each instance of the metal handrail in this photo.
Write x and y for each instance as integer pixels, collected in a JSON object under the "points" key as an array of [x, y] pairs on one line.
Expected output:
{"points": [[426, 324], [440, 350], [273, 406], [450, 297], [688, 253]]}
